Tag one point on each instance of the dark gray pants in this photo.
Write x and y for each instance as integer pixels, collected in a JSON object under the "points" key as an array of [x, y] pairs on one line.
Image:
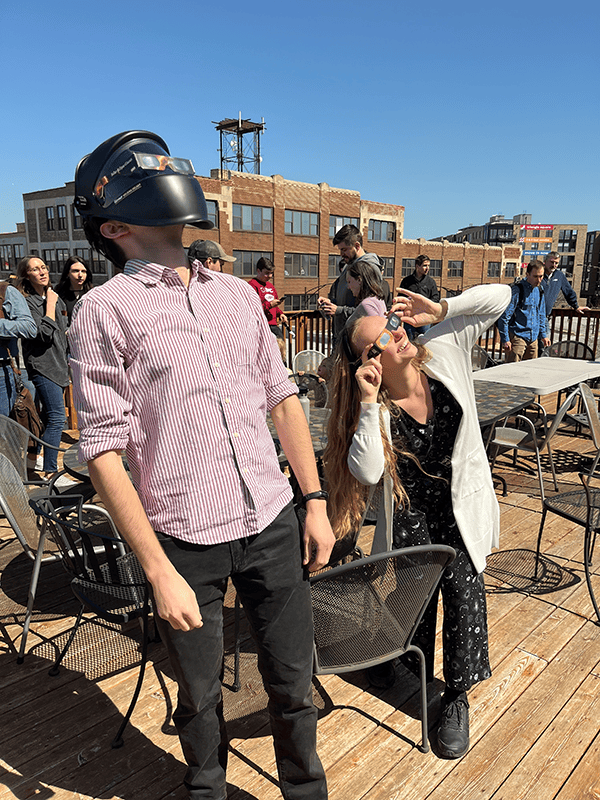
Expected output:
{"points": [[266, 570]]}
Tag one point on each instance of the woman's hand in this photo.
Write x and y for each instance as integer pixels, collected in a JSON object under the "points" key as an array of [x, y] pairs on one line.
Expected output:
{"points": [[416, 309], [368, 376]]}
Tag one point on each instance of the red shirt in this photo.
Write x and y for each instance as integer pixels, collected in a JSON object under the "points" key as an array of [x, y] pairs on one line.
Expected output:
{"points": [[267, 292]]}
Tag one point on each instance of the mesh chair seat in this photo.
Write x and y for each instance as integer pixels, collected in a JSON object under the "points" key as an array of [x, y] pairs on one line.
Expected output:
{"points": [[573, 506]]}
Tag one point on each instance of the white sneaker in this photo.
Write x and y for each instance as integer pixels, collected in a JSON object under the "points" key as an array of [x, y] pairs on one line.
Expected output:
{"points": [[39, 463], [64, 481]]}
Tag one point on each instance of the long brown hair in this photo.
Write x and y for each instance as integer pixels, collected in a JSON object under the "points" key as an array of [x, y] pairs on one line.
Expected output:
{"points": [[347, 496], [23, 282]]}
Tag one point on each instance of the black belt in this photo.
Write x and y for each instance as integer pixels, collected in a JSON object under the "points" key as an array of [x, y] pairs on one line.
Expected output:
{"points": [[4, 361]]}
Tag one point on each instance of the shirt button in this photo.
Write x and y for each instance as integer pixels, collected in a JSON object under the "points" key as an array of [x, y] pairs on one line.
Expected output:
{"points": [[205, 330], [217, 364], [245, 469], [236, 435], [226, 399]]}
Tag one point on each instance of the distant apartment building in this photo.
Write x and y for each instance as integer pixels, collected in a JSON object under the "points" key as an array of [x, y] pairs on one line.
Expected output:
{"points": [[290, 222], [13, 247], [590, 283], [536, 240]]}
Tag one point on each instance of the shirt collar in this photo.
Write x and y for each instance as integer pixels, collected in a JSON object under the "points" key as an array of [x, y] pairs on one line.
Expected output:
{"points": [[150, 273]]}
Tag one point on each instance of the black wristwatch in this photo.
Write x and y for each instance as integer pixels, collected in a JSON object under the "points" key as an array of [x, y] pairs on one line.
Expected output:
{"points": [[320, 495]]}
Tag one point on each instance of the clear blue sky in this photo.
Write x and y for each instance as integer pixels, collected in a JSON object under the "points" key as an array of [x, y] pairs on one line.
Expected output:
{"points": [[456, 110]]}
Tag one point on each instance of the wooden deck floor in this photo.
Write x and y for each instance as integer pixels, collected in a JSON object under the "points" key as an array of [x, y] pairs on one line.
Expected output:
{"points": [[534, 723]]}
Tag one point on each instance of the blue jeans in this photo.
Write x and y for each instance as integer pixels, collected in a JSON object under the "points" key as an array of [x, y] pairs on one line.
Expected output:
{"points": [[50, 395], [267, 572], [7, 389], [412, 333]]}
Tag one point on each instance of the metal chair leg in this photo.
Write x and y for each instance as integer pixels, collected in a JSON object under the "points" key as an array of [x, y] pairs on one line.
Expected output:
{"points": [[536, 577], [54, 670], [588, 546]]}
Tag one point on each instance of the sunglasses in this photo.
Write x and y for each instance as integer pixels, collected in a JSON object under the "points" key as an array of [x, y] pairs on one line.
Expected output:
{"points": [[386, 337]]}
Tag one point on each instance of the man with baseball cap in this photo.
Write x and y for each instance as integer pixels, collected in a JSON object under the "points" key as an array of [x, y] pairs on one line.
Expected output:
{"points": [[211, 254], [175, 364]]}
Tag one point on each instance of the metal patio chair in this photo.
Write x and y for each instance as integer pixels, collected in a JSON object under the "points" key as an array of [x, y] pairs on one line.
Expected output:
{"points": [[531, 439], [366, 612], [14, 502], [581, 506], [105, 578], [307, 361]]}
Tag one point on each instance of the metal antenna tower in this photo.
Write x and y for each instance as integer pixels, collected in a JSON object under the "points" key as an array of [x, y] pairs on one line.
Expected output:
{"points": [[240, 144]]}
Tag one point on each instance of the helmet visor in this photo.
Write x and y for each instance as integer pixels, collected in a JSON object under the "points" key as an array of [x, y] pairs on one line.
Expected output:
{"points": [[114, 184]]}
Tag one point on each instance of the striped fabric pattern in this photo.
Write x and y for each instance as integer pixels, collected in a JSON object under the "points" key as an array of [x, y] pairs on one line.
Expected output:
{"points": [[182, 380]]}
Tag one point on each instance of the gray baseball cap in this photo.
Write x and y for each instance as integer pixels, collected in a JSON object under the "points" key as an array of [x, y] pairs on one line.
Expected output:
{"points": [[203, 249]]}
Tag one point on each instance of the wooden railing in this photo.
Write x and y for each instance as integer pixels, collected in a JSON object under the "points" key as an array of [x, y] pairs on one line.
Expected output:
{"points": [[308, 330]]}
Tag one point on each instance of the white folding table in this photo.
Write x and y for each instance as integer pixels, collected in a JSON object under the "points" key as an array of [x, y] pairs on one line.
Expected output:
{"points": [[542, 375]]}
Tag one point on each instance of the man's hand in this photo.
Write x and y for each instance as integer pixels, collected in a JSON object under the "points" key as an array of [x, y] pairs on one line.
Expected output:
{"points": [[283, 318], [582, 309], [546, 342], [324, 304], [318, 536], [507, 347], [277, 302], [416, 309], [176, 602]]}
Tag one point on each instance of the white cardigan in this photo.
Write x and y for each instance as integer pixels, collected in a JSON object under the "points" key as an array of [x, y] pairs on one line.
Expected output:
{"points": [[473, 498]]}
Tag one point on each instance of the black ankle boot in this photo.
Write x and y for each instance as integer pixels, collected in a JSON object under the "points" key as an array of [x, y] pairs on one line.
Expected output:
{"points": [[453, 731]]}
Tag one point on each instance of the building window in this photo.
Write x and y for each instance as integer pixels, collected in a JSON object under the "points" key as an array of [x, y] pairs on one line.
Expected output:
{"points": [[408, 266], [301, 265], [455, 269], [388, 267], [76, 218], [252, 218], [510, 269], [62, 218], [49, 218], [300, 302], [212, 208], [536, 233], [335, 223], [435, 267], [98, 264], [567, 241], [567, 264], [333, 269], [245, 266], [61, 257], [533, 245], [301, 223], [493, 269], [50, 259], [82, 252], [380, 231]]}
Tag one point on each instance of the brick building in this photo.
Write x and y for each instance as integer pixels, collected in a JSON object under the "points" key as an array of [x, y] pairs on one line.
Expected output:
{"points": [[291, 222], [535, 240], [13, 247]]}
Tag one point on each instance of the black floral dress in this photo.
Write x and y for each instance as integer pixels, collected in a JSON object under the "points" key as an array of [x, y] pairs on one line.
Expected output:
{"points": [[430, 518]]}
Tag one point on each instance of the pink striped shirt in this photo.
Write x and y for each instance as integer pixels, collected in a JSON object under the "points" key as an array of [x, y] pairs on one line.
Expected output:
{"points": [[182, 380]]}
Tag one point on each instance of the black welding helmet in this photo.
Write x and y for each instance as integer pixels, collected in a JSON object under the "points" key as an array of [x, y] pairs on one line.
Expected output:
{"points": [[132, 178]]}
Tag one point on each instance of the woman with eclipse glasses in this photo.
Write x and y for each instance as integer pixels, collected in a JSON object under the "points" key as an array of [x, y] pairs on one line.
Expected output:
{"points": [[406, 412]]}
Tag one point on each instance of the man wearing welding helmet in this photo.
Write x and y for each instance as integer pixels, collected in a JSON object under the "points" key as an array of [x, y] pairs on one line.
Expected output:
{"points": [[175, 364]]}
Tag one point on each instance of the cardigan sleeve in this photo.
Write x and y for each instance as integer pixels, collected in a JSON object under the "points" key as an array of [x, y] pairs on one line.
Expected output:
{"points": [[366, 460]]}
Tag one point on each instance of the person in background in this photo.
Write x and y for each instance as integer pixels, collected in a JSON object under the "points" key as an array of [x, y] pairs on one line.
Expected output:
{"points": [[421, 282], [407, 414], [75, 281], [524, 320], [209, 253], [265, 269], [45, 354], [340, 303], [554, 282], [364, 281], [16, 322]]}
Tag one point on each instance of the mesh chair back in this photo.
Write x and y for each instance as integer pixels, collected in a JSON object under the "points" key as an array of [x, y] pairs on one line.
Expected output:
{"points": [[15, 505], [480, 358], [307, 361], [570, 348], [366, 612], [14, 441], [310, 385], [106, 579]]}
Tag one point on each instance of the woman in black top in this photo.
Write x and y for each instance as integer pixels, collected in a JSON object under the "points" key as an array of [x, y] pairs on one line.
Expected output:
{"points": [[75, 281]]}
